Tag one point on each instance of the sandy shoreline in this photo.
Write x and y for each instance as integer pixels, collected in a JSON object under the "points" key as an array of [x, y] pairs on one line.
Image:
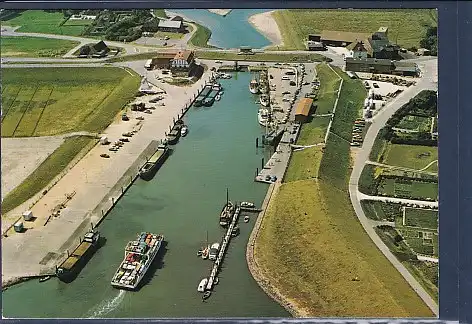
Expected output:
{"points": [[221, 12], [267, 26], [258, 274]]}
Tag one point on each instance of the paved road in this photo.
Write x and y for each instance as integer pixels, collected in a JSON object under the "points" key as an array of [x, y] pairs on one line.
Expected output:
{"points": [[422, 203], [429, 69]]}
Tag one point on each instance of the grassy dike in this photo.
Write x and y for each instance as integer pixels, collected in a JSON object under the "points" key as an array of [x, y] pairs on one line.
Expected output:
{"points": [[324, 247]]}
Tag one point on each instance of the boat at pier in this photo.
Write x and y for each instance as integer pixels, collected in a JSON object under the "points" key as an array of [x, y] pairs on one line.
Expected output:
{"points": [[214, 249], [184, 131], [246, 219], [254, 86], [263, 117], [202, 96], [150, 168], [226, 214], [264, 100], [202, 285], [247, 204], [139, 255], [69, 269]]}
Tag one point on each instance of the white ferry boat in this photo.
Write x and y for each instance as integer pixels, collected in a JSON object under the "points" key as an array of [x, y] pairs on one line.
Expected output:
{"points": [[139, 255]]}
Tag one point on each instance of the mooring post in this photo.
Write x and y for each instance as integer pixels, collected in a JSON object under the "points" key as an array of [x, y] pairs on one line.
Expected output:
{"points": [[102, 212], [122, 191], [257, 141], [257, 171], [262, 164], [112, 200], [68, 253], [173, 119]]}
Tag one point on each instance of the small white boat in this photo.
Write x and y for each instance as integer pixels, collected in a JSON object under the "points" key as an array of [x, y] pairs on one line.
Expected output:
{"points": [[218, 97], [214, 249], [263, 117], [44, 278], [205, 252], [202, 285], [254, 86], [247, 204], [184, 131], [246, 219], [264, 100]]}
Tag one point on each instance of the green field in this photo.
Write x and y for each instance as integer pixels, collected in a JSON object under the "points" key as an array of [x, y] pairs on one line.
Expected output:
{"points": [[414, 157], [50, 101], [421, 241], [38, 21], [200, 37], [381, 211], [262, 57], [34, 47], [78, 22], [329, 85], [406, 26], [162, 34], [304, 164], [323, 249], [160, 13], [415, 123], [427, 274], [349, 106], [410, 189], [314, 132], [424, 218], [45, 173]]}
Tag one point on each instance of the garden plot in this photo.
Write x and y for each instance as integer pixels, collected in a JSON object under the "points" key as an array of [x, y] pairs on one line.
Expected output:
{"points": [[415, 123], [408, 189], [422, 218]]}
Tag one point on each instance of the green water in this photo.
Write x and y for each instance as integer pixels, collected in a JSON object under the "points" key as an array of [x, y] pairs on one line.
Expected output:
{"points": [[183, 202]]}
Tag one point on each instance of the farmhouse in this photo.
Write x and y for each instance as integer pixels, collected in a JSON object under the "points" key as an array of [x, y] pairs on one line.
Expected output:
{"points": [[315, 46], [302, 112], [160, 61], [183, 60], [175, 26], [381, 66], [360, 45]]}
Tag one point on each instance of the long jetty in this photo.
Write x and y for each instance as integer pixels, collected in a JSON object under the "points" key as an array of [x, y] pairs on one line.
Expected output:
{"points": [[224, 246]]}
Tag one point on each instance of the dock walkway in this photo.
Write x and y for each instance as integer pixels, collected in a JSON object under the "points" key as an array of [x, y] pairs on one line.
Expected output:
{"points": [[222, 252]]}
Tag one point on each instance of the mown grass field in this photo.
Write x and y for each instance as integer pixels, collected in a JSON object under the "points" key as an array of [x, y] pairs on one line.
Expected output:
{"points": [[38, 21], [34, 47], [200, 37], [304, 164], [50, 101], [325, 246], [323, 250], [314, 132], [162, 34], [45, 173], [406, 26], [262, 57], [414, 157], [424, 218], [329, 86]]}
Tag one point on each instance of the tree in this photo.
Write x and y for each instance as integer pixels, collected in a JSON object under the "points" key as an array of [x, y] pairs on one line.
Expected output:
{"points": [[430, 40]]}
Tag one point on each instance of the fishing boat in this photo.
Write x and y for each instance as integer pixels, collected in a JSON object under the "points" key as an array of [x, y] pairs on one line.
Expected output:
{"points": [[264, 100], [139, 255], [214, 249], [227, 211], [254, 86], [202, 285], [263, 117], [173, 137], [184, 131], [246, 219], [217, 86]]}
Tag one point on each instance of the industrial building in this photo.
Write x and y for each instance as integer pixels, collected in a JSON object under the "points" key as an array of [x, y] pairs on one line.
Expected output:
{"points": [[381, 66], [173, 26]]}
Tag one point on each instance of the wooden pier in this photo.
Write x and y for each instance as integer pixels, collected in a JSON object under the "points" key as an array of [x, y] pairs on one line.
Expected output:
{"points": [[223, 248]]}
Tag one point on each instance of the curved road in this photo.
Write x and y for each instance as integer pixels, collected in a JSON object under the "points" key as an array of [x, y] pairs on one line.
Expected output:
{"points": [[429, 69]]}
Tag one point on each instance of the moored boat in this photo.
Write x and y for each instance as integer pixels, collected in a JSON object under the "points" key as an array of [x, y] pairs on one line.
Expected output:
{"points": [[154, 163], [173, 137], [254, 86], [246, 219], [218, 97], [247, 204], [205, 252], [184, 131], [69, 269], [43, 279], [264, 100], [226, 214], [263, 117], [235, 231], [202, 285], [214, 249], [206, 295]]}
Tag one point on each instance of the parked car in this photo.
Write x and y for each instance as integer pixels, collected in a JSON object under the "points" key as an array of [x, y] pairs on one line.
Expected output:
{"points": [[375, 85], [285, 77]]}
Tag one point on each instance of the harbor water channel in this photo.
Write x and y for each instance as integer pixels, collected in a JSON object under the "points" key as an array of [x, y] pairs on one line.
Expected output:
{"points": [[224, 29], [183, 201]]}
